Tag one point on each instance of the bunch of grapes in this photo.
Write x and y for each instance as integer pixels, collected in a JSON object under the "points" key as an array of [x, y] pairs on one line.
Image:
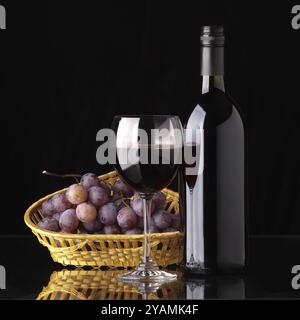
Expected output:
{"points": [[92, 206]]}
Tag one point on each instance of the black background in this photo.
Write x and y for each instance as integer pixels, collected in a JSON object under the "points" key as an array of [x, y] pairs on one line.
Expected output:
{"points": [[66, 68]]}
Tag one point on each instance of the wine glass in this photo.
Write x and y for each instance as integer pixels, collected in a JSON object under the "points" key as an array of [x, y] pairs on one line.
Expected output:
{"points": [[148, 153]]}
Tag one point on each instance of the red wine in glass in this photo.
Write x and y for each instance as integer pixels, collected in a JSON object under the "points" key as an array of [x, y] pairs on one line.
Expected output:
{"points": [[148, 178]]}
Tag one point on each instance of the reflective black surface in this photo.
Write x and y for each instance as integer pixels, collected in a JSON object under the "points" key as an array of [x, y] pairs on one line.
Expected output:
{"points": [[31, 274]]}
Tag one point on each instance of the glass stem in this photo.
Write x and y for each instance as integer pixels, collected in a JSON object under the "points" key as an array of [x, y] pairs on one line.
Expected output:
{"points": [[192, 258], [147, 244]]}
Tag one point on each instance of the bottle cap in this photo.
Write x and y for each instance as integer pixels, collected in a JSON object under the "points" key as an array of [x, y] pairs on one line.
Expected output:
{"points": [[212, 36]]}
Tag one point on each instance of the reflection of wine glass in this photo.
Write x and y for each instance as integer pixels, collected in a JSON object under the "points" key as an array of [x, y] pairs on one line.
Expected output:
{"points": [[193, 166], [147, 166], [191, 175]]}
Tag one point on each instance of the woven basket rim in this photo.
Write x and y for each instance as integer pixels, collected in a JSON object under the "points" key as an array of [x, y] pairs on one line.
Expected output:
{"points": [[81, 236]]}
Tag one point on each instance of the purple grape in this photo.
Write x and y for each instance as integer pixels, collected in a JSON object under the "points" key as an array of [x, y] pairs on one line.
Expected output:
{"points": [[127, 218], [98, 196], [92, 227], [76, 194], [112, 229], [100, 231], [133, 231], [105, 186], [136, 196], [176, 221], [86, 212], [47, 208], [162, 219], [68, 221], [81, 228], [116, 196], [170, 229], [137, 205], [57, 215], [159, 200], [49, 224], [153, 229], [140, 223], [89, 180], [107, 214], [60, 202], [120, 203], [122, 188]]}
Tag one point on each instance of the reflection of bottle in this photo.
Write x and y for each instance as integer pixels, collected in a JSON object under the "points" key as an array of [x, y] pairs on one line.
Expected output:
{"points": [[216, 288], [215, 193]]}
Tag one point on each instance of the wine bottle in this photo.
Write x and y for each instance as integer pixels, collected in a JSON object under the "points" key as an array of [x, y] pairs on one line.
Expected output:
{"points": [[215, 188]]}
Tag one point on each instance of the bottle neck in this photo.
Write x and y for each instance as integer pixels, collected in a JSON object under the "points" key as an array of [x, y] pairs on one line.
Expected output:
{"points": [[211, 82], [212, 68]]}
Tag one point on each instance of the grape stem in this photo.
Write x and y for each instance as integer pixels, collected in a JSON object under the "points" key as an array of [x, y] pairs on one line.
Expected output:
{"points": [[124, 202], [66, 175]]}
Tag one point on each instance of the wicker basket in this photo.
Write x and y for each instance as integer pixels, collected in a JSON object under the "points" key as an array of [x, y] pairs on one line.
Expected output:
{"points": [[100, 285], [107, 250]]}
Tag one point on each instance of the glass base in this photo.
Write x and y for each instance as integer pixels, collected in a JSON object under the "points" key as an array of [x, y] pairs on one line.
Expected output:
{"points": [[148, 272]]}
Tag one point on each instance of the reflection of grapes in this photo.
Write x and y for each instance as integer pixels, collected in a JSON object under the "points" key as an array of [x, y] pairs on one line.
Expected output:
{"points": [[122, 188], [76, 194], [47, 208], [98, 196], [159, 200], [49, 224], [108, 214], [60, 202], [162, 219], [127, 218], [93, 226], [133, 231], [89, 180], [86, 212], [68, 221], [112, 229]]}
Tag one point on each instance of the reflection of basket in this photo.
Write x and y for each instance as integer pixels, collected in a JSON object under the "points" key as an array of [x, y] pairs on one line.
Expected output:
{"points": [[99, 285], [107, 250]]}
